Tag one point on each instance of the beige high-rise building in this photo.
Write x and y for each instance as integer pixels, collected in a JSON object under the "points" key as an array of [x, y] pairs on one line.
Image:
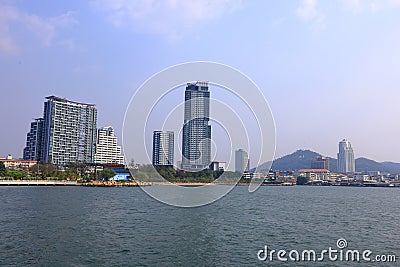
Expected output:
{"points": [[107, 149]]}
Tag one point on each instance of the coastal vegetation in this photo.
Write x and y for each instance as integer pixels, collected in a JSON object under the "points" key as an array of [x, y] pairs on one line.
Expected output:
{"points": [[301, 180], [48, 171], [2, 169], [150, 173], [144, 173]]}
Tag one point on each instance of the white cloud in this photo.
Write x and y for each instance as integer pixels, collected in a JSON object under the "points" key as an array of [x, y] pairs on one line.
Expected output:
{"points": [[44, 29], [308, 11], [278, 21], [169, 17], [7, 45], [354, 5], [372, 6]]}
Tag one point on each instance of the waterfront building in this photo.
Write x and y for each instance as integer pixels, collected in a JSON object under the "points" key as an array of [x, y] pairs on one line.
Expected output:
{"points": [[362, 177], [320, 162], [121, 173], [374, 173], [66, 133], [196, 141], [217, 166], [334, 176], [315, 174], [346, 162], [253, 175], [34, 141], [107, 149], [69, 131], [242, 161], [17, 164], [163, 148]]}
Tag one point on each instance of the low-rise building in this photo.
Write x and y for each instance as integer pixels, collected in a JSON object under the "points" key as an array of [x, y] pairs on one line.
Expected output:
{"points": [[217, 166], [17, 164], [320, 162], [362, 177], [121, 173], [315, 174], [334, 176], [251, 175]]}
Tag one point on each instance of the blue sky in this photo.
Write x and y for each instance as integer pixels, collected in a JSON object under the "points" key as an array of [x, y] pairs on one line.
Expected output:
{"points": [[329, 69]]}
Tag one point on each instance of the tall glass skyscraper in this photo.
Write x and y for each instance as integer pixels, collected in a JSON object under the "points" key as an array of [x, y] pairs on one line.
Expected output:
{"points": [[196, 143], [163, 148], [346, 162]]}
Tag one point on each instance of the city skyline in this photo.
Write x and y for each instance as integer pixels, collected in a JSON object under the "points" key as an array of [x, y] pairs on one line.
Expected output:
{"points": [[108, 151], [106, 145], [317, 62]]}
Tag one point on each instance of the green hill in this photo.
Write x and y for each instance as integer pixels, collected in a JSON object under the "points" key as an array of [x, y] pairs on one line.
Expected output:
{"points": [[301, 159]]}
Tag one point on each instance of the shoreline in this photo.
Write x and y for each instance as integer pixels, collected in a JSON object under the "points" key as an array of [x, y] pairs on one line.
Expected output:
{"points": [[188, 184]]}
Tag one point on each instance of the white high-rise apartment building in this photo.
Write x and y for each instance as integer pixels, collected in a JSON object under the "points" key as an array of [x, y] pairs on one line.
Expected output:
{"points": [[107, 149], [346, 162], [68, 132]]}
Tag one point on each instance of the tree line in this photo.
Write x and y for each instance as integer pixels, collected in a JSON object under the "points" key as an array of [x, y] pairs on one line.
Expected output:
{"points": [[150, 173], [48, 171]]}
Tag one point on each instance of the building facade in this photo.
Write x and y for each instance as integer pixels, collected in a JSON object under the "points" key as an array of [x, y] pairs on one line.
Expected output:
{"points": [[315, 174], [346, 162], [320, 162], [17, 164], [163, 148], [242, 161], [34, 141], [217, 166], [67, 133], [196, 141], [107, 149]]}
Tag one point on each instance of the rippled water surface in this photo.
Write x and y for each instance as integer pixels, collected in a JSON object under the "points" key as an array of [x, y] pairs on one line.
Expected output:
{"points": [[78, 226]]}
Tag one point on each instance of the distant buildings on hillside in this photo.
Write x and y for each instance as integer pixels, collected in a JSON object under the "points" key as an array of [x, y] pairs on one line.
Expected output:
{"points": [[320, 162]]}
